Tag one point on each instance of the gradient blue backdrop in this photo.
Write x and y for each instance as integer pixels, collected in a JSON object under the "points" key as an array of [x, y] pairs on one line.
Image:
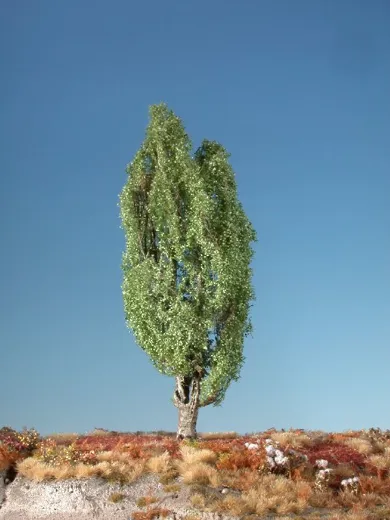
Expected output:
{"points": [[299, 93]]}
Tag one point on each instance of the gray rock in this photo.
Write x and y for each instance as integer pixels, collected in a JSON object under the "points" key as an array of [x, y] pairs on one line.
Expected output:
{"points": [[2, 486], [89, 500]]}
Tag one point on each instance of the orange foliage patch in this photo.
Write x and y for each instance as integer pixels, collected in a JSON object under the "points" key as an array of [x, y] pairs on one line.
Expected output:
{"points": [[342, 436], [245, 479], [374, 485], [150, 514], [8, 458], [228, 445], [238, 460], [138, 447]]}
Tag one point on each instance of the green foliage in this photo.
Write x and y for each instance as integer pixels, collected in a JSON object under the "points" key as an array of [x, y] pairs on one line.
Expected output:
{"points": [[56, 455], [193, 443], [187, 276], [29, 438]]}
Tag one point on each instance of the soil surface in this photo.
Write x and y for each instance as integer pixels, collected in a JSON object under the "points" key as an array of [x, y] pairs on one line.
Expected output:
{"points": [[89, 499]]}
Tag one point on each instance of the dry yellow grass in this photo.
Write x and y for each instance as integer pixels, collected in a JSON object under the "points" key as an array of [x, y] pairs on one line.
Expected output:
{"points": [[352, 433], [84, 471], [350, 515], [169, 476], [160, 463], [381, 461], [39, 471], [288, 517], [146, 501], [115, 470], [200, 473], [171, 488], [323, 499], [192, 455], [116, 497], [198, 500], [277, 494], [231, 505], [349, 500], [71, 437], [344, 471], [291, 439], [363, 446], [378, 447], [385, 500], [370, 500], [99, 431], [195, 466], [114, 456], [218, 435]]}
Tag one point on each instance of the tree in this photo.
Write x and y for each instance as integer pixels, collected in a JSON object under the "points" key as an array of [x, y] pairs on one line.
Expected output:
{"points": [[186, 268]]}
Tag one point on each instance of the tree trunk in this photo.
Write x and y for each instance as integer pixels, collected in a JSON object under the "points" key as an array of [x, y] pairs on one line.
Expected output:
{"points": [[188, 416], [188, 406]]}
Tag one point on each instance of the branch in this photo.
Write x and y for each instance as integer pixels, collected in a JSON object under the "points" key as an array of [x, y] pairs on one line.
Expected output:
{"points": [[179, 391], [182, 390], [195, 393], [209, 400]]}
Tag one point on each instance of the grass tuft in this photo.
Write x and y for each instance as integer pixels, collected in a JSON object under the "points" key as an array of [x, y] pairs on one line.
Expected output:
{"points": [[192, 455], [275, 493], [160, 463], [116, 497], [200, 473], [146, 501]]}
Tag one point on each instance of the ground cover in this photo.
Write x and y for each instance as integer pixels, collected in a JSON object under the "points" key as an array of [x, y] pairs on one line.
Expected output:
{"points": [[282, 474]]}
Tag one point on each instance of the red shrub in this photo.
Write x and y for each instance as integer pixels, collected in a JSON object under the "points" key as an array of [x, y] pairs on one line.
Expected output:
{"points": [[335, 453]]}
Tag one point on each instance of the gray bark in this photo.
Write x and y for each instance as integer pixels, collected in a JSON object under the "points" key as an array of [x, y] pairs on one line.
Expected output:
{"points": [[188, 416], [187, 406]]}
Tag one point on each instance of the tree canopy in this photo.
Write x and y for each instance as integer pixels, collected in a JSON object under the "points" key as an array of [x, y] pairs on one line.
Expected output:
{"points": [[186, 268]]}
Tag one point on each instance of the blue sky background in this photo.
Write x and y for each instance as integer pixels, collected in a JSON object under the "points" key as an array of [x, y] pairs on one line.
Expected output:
{"points": [[298, 92]]}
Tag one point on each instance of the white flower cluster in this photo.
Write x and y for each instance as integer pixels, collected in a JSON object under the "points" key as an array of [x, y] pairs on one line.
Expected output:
{"points": [[251, 446], [322, 463], [323, 475], [352, 482], [275, 456]]}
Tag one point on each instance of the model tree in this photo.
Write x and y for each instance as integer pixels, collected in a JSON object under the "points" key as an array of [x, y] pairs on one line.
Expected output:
{"points": [[186, 268]]}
